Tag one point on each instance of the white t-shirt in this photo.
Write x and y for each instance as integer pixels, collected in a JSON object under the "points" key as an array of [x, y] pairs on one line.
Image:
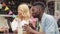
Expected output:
{"points": [[17, 24], [14, 24]]}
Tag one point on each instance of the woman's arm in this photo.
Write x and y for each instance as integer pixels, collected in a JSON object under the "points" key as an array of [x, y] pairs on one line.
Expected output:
{"points": [[15, 32], [14, 26]]}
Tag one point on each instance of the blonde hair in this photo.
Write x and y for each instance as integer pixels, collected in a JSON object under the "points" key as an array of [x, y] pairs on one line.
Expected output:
{"points": [[25, 11]]}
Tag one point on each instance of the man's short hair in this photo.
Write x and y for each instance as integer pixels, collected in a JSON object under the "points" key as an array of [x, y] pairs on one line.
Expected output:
{"points": [[39, 4]]}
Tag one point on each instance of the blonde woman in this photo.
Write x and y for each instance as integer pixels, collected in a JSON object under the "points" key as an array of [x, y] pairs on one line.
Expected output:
{"points": [[21, 19]]}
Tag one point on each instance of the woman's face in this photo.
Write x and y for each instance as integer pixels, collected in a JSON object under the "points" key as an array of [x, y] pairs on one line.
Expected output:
{"points": [[20, 11]]}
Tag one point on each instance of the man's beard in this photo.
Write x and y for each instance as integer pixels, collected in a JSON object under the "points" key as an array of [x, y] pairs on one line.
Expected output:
{"points": [[36, 15]]}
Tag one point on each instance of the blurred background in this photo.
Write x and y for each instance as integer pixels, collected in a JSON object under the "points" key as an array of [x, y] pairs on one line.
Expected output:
{"points": [[8, 10]]}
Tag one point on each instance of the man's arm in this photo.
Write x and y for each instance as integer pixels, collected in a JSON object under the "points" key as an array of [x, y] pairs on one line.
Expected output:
{"points": [[36, 32], [30, 30]]}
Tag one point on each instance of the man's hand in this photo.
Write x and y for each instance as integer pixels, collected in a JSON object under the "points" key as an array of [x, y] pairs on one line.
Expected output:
{"points": [[28, 28]]}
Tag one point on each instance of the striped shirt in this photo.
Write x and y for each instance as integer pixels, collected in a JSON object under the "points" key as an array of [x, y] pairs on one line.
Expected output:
{"points": [[49, 24]]}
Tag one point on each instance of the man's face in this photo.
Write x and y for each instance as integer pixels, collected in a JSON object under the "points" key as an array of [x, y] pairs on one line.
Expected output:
{"points": [[36, 12]]}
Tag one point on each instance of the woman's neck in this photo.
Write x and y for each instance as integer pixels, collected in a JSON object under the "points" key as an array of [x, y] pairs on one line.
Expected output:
{"points": [[20, 17]]}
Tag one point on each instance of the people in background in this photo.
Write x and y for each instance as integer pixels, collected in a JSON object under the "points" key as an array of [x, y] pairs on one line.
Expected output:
{"points": [[21, 19], [46, 23], [4, 28]]}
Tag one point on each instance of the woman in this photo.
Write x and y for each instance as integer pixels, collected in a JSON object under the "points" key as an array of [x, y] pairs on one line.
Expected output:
{"points": [[21, 19]]}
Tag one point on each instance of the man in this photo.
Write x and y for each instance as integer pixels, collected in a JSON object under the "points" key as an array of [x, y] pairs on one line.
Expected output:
{"points": [[48, 23]]}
